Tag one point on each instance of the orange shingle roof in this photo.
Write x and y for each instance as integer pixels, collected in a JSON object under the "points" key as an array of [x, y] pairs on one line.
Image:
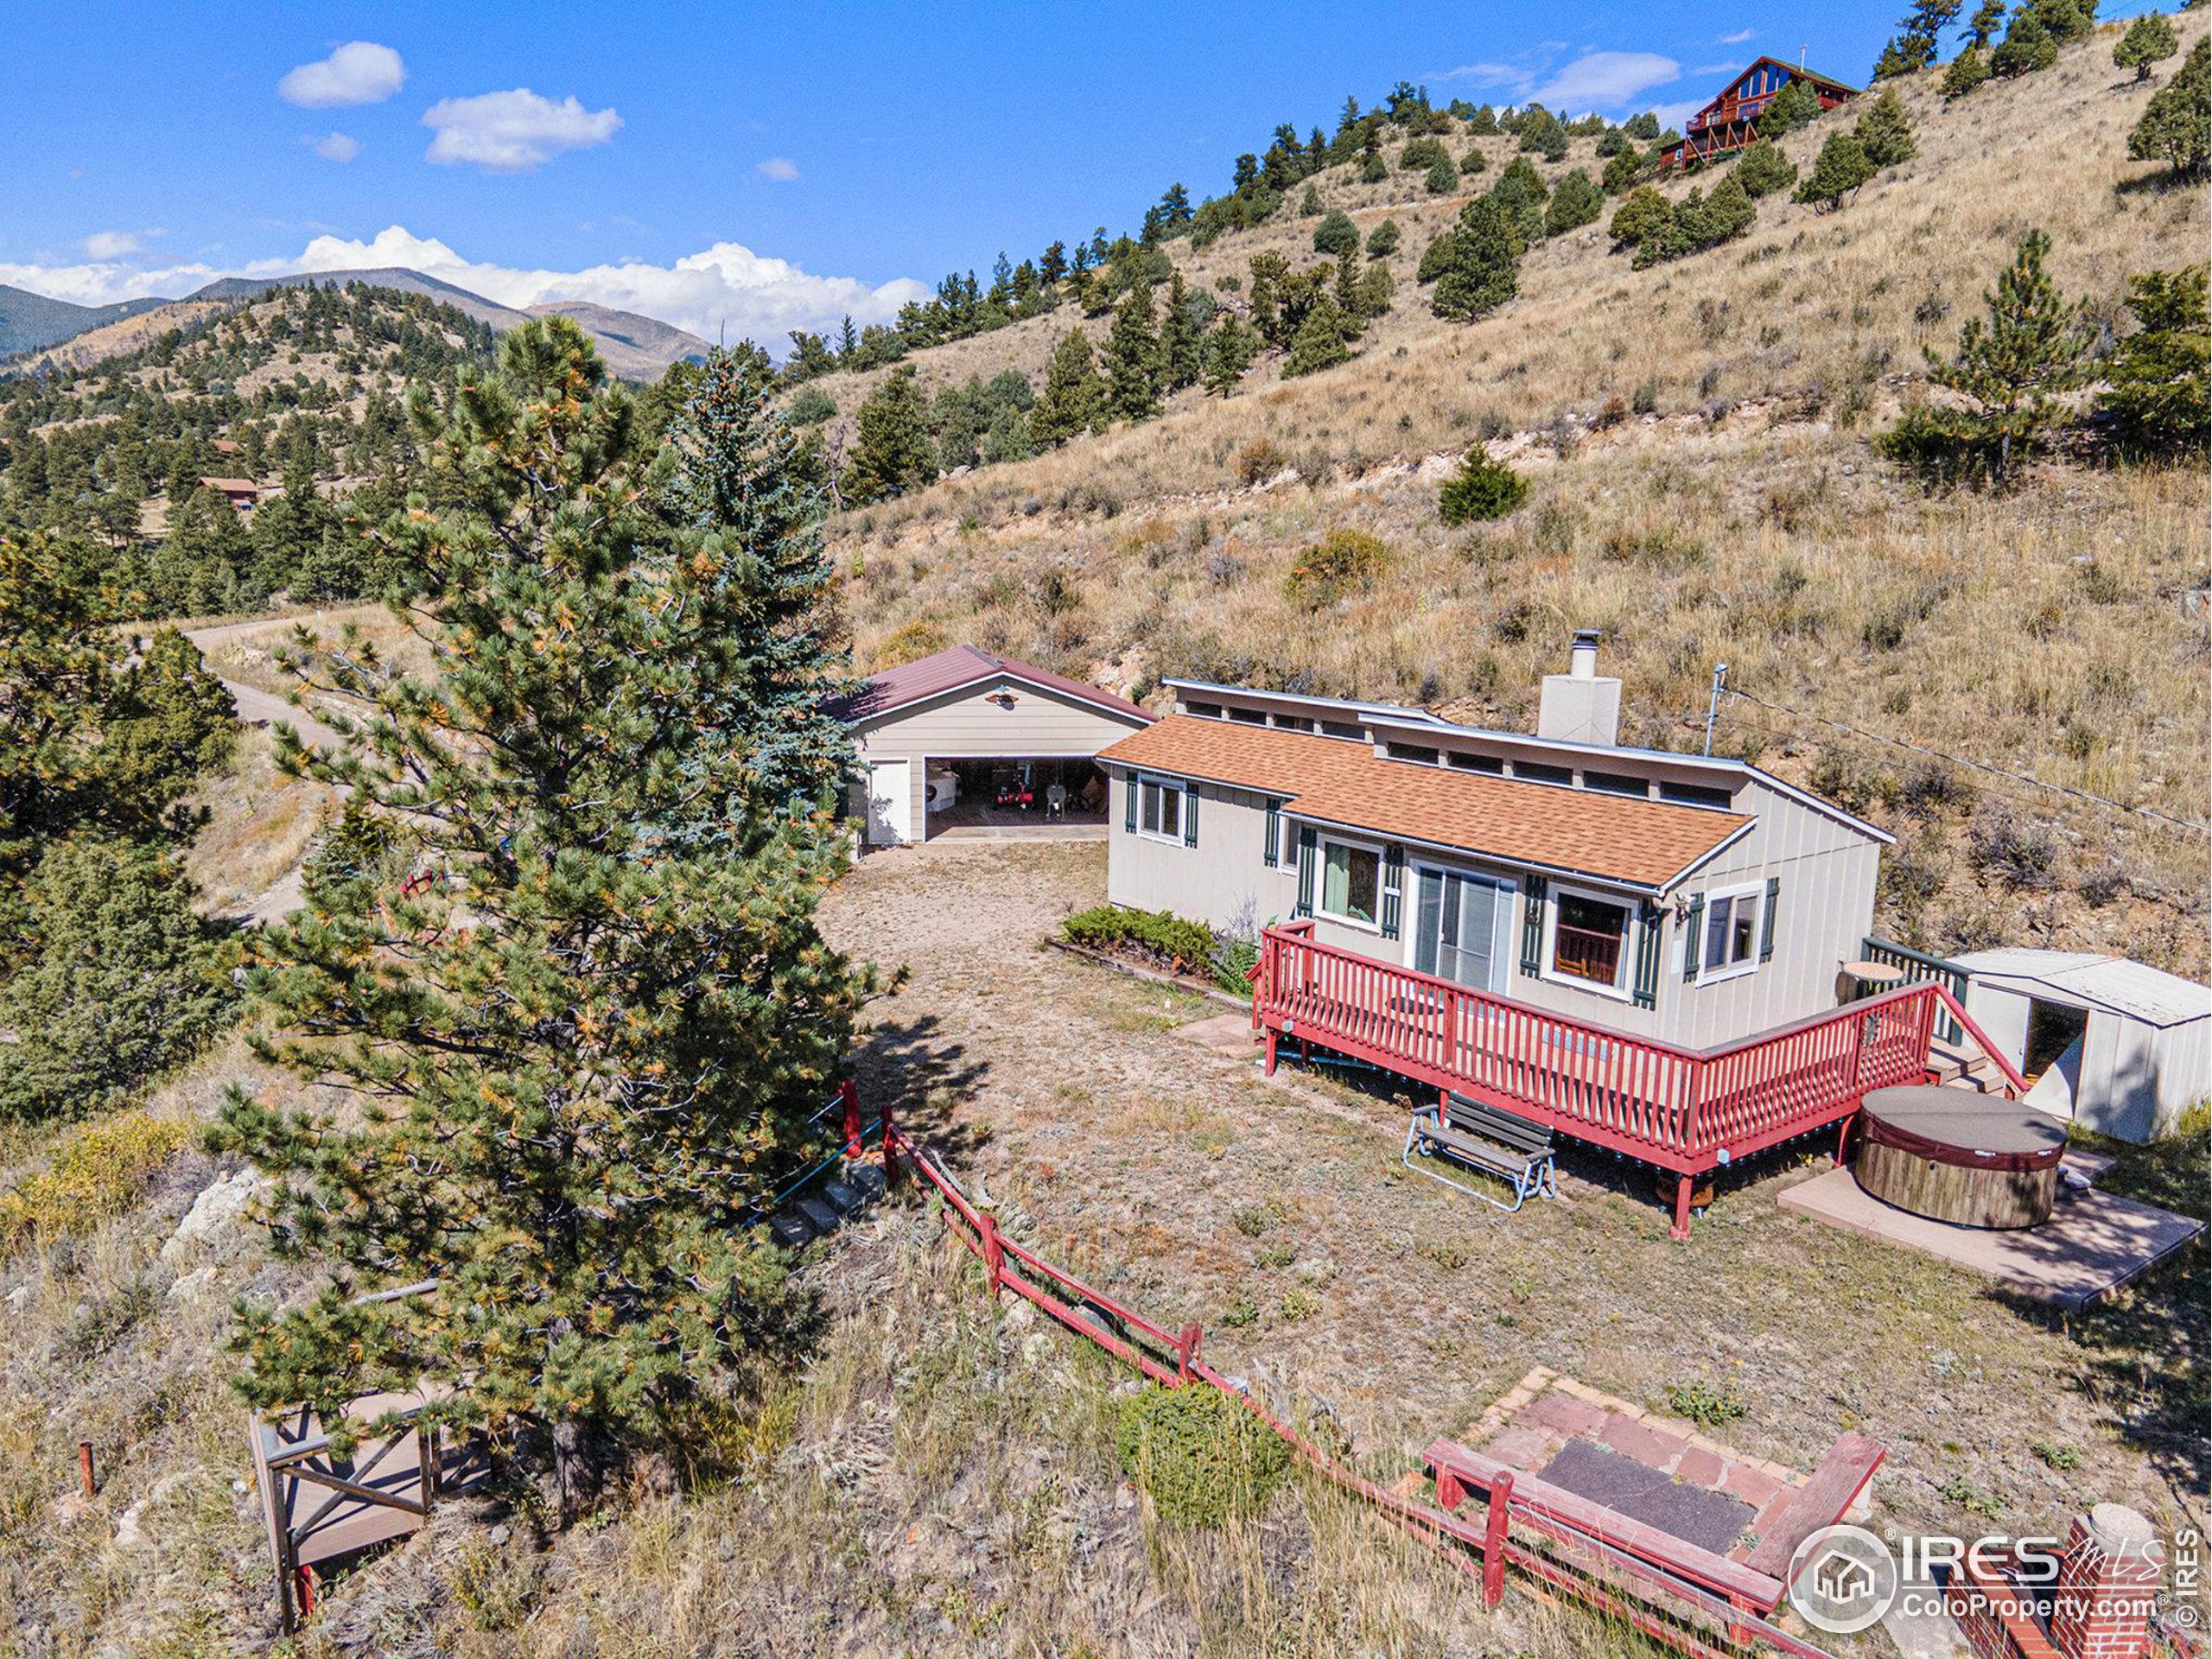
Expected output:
{"points": [[1614, 837]]}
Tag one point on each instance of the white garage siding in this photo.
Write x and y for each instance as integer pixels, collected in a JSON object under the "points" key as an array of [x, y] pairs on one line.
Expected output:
{"points": [[972, 723]]}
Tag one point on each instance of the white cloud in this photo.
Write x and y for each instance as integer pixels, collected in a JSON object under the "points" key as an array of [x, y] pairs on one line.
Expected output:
{"points": [[513, 132], [334, 146], [360, 72], [109, 245], [781, 169], [725, 289], [1604, 81], [1736, 39], [1673, 115]]}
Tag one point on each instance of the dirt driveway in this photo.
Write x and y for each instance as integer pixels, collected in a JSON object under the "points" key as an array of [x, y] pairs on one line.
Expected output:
{"points": [[1276, 1213]]}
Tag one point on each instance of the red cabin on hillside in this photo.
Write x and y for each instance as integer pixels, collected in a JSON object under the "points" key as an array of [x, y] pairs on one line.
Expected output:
{"points": [[1731, 121]]}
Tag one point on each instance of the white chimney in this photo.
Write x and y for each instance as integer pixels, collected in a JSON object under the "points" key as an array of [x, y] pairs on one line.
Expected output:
{"points": [[1580, 706]]}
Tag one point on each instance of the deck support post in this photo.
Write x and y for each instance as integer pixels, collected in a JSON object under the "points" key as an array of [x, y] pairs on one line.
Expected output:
{"points": [[1270, 1065], [1843, 1138], [1494, 1529], [1681, 1227]]}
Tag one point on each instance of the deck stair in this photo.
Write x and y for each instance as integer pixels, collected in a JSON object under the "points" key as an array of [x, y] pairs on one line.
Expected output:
{"points": [[1964, 1065]]}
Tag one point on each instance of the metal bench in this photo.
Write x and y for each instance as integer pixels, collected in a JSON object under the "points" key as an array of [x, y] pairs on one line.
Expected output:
{"points": [[1484, 1138]]}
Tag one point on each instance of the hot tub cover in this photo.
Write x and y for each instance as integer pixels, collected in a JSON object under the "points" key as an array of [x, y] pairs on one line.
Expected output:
{"points": [[1956, 1126]]}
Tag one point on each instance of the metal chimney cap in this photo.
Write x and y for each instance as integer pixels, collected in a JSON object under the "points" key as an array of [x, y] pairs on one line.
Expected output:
{"points": [[1588, 636]]}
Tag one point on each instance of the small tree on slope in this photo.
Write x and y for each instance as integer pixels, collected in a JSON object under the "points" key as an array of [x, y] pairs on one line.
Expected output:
{"points": [[2008, 369], [595, 1036]]}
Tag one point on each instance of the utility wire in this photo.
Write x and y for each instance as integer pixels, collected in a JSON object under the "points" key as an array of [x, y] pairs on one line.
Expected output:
{"points": [[1972, 765]]}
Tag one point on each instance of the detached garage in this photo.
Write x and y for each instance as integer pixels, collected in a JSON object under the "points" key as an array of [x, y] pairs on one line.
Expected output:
{"points": [[2114, 1046], [966, 739]]}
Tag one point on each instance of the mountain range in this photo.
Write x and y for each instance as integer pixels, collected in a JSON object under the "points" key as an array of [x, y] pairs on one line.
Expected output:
{"points": [[38, 334]]}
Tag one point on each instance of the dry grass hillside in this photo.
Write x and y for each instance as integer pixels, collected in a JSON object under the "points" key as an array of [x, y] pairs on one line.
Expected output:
{"points": [[1698, 438]]}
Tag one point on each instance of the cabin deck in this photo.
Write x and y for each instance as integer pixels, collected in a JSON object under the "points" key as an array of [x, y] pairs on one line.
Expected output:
{"points": [[1689, 1111]]}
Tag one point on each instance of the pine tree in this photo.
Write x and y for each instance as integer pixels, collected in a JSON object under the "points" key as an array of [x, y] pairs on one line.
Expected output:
{"points": [[1482, 488], [2149, 39], [1840, 168], [1645, 214], [591, 1046], [1382, 240], [1443, 177], [1074, 398], [1967, 71], [1320, 340], [893, 452], [1007, 437], [1795, 105], [2177, 124], [1182, 335], [1623, 170], [1885, 131], [1575, 203], [1309, 205], [1132, 358], [2158, 395], [1981, 28], [1763, 170], [1230, 351], [1336, 234], [1475, 268], [2026, 47], [2031, 348]]}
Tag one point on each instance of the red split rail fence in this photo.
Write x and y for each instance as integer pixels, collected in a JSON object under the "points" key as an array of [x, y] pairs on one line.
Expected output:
{"points": [[1685, 1109], [1625, 1570]]}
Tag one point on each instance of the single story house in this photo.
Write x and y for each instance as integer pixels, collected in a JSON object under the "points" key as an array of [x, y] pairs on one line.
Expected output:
{"points": [[969, 736], [2117, 1047], [243, 493], [1685, 898]]}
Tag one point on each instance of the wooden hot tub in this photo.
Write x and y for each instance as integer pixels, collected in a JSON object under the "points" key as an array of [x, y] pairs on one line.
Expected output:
{"points": [[1950, 1154]]}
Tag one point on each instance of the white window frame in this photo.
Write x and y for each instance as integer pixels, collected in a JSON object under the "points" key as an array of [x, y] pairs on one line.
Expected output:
{"points": [[1756, 891], [1505, 924], [1176, 786], [1623, 988], [1321, 844]]}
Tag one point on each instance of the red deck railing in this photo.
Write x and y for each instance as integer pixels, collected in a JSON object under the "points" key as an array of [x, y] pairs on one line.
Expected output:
{"points": [[1685, 1109]]}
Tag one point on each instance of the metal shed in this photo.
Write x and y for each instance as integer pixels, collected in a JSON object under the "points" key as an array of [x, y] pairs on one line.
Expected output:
{"points": [[2118, 1047]]}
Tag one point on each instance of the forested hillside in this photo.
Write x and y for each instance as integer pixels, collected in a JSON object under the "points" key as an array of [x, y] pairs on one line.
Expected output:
{"points": [[301, 391], [1717, 449]]}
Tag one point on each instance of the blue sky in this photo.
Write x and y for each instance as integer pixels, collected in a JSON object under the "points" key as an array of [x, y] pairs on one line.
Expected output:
{"points": [[758, 167]]}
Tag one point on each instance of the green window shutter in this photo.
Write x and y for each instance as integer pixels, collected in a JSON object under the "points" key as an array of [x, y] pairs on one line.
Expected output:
{"points": [[1190, 815], [1693, 937], [1130, 805], [1394, 885], [1271, 841], [1532, 926], [1647, 954], [1766, 922], [1307, 858]]}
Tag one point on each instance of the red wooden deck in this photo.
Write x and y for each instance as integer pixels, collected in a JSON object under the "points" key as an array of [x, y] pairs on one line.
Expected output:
{"points": [[1688, 1110]]}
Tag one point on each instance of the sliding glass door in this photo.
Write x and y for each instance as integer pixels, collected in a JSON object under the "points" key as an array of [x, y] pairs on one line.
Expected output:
{"points": [[1458, 921]]}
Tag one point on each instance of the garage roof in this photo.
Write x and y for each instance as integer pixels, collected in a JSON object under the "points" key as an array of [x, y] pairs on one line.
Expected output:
{"points": [[1641, 843], [960, 667], [2134, 988]]}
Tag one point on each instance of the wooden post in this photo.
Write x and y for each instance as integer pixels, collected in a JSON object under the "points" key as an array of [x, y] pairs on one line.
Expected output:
{"points": [[848, 1092], [1843, 1138], [85, 1468], [1187, 1351], [1270, 1067], [1494, 1529], [1681, 1227], [891, 1171], [993, 1249], [1450, 1492]]}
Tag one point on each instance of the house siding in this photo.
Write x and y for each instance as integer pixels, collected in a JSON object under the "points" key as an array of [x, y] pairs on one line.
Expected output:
{"points": [[1824, 908], [966, 725]]}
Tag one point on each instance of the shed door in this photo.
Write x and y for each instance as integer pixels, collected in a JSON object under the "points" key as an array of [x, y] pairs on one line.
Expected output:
{"points": [[890, 803], [1456, 925]]}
